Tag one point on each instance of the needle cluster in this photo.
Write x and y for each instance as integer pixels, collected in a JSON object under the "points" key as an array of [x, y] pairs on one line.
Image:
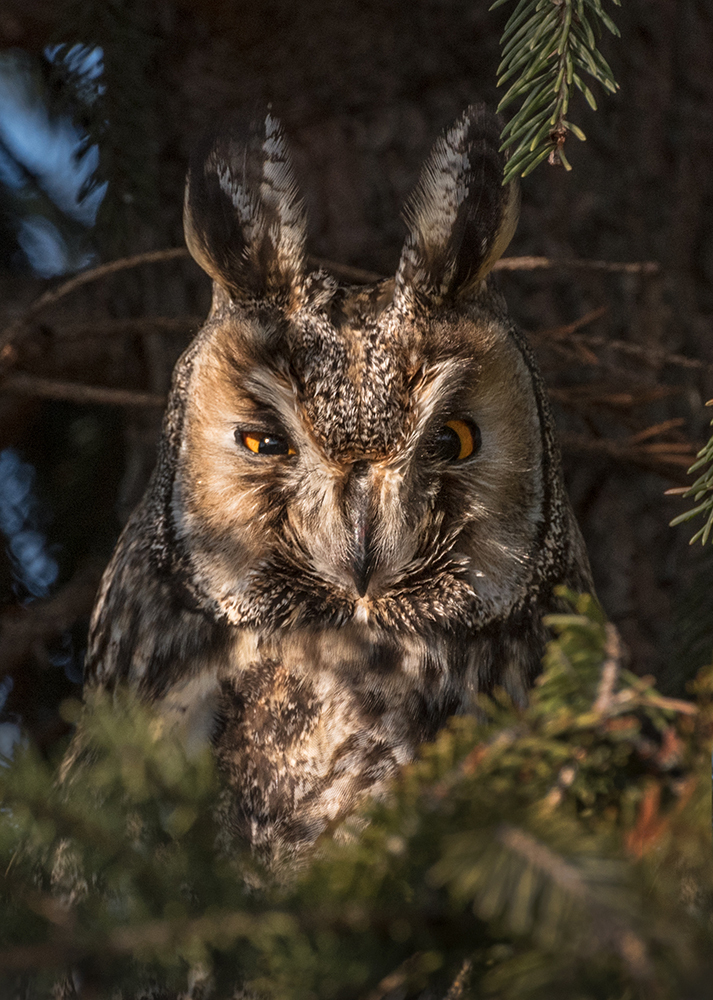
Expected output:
{"points": [[549, 46]]}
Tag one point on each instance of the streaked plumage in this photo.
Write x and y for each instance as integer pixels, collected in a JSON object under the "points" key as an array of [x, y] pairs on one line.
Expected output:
{"points": [[319, 608]]}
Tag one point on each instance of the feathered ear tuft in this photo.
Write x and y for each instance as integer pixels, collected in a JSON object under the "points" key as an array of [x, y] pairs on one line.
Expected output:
{"points": [[460, 217], [243, 218]]}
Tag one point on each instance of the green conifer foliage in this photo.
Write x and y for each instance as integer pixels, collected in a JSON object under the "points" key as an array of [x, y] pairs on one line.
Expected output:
{"points": [[548, 47], [701, 492], [560, 850]]}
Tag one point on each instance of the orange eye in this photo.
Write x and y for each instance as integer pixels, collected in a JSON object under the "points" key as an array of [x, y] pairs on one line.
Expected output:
{"points": [[265, 444], [456, 440], [468, 437]]}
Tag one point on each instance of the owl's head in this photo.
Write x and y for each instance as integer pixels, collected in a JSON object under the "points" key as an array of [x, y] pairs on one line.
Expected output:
{"points": [[378, 454]]}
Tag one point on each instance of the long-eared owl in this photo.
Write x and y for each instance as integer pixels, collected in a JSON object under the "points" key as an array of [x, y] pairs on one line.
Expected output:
{"points": [[358, 516]]}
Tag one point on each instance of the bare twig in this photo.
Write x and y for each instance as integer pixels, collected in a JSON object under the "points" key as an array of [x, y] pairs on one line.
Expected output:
{"points": [[359, 275], [103, 329], [654, 357], [396, 978], [676, 453], [566, 330], [13, 332], [656, 429], [77, 392], [53, 295], [671, 460], [654, 700], [553, 335], [631, 697], [460, 983], [610, 669], [595, 395], [573, 264]]}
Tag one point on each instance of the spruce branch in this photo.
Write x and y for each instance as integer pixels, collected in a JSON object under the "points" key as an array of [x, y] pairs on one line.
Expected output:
{"points": [[701, 492], [547, 48]]}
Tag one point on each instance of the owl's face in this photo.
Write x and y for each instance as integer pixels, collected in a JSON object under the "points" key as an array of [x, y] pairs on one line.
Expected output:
{"points": [[371, 454], [365, 459]]}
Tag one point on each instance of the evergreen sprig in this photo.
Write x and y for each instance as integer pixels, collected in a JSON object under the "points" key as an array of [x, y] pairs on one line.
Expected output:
{"points": [[548, 46], [701, 492]]}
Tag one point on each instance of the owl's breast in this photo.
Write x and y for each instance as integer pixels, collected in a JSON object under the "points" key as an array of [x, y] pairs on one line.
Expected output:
{"points": [[310, 722]]}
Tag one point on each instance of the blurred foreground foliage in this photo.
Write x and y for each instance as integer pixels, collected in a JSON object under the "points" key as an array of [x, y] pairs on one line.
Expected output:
{"points": [[562, 850]]}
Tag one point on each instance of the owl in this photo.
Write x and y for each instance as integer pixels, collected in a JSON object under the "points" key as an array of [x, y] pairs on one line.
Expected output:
{"points": [[357, 519]]}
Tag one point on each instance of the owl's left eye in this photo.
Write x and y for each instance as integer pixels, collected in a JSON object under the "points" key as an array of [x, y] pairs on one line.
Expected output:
{"points": [[455, 441], [265, 444]]}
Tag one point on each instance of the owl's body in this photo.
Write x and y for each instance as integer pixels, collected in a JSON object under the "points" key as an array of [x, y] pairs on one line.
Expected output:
{"points": [[358, 518]]}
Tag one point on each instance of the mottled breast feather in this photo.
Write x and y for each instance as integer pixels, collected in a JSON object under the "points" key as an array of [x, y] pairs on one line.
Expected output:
{"points": [[357, 519]]}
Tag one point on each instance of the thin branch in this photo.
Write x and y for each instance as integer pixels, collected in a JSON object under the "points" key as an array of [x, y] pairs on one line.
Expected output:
{"points": [[654, 700], [587, 396], [103, 329], [78, 392], [650, 698], [461, 982], [526, 263], [52, 295], [666, 460], [396, 979], [574, 264], [16, 329], [565, 331], [651, 355], [656, 429], [565, 779], [678, 452], [610, 670]]}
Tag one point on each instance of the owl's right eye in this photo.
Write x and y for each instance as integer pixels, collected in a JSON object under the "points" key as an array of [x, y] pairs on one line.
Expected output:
{"points": [[265, 444]]}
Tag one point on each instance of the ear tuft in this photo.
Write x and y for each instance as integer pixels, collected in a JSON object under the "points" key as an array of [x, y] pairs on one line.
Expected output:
{"points": [[243, 218], [460, 217]]}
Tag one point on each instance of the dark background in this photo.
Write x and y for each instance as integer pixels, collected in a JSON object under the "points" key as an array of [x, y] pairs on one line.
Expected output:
{"points": [[363, 89]]}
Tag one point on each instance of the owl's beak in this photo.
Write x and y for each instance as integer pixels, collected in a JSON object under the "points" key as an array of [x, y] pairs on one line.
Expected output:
{"points": [[361, 565]]}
